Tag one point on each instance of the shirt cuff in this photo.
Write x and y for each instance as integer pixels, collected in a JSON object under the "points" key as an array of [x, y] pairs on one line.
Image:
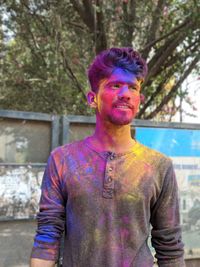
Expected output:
{"points": [[45, 251]]}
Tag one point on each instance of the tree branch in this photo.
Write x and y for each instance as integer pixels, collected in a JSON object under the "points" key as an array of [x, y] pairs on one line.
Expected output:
{"points": [[101, 40], [94, 20], [165, 36], [154, 94], [89, 14], [158, 60], [77, 25], [168, 97], [37, 17], [129, 15], [86, 13], [154, 26], [177, 57], [33, 50], [70, 72]]}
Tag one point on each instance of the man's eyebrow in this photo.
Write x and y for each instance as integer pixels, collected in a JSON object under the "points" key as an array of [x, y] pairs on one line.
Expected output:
{"points": [[120, 81]]}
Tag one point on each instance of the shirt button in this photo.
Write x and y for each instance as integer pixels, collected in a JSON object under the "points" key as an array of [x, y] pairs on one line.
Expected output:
{"points": [[110, 169], [111, 157], [109, 179]]}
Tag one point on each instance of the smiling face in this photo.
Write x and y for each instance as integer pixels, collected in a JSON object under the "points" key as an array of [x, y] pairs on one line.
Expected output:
{"points": [[118, 97]]}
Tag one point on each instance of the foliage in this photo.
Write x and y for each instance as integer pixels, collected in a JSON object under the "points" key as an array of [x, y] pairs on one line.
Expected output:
{"points": [[44, 62]]}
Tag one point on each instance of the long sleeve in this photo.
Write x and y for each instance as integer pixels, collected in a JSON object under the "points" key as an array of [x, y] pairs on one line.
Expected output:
{"points": [[166, 231], [51, 216]]}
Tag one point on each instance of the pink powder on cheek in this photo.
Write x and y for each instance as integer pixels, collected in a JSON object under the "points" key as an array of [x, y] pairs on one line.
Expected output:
{"points": [[137, 100]]}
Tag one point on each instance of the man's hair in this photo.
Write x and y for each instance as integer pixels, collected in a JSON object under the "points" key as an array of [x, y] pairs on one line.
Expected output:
{"points": [[108, 60]]}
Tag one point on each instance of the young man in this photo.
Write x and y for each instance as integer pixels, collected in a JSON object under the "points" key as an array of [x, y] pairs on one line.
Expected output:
{"points": [[107, 189]]}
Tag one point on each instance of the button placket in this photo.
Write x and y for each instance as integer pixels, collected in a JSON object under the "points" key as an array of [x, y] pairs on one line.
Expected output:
{"points": [[109, 179], [107, 193], [108, 185]]}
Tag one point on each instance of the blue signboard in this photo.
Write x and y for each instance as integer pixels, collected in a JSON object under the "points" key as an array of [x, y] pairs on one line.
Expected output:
{"points": [[171, 142]]}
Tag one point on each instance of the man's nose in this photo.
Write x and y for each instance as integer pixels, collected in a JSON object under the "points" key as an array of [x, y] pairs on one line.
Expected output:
{"points": [[124, 92]]}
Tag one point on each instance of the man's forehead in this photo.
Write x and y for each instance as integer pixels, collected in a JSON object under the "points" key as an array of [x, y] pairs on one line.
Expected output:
{"points": [[120, 74]]}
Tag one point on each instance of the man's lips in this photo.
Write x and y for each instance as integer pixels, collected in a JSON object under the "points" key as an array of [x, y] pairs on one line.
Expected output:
{"points": [[123, 106]]}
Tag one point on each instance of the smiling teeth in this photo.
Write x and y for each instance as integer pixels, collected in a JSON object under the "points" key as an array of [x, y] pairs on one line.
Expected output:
{"points": [[122, 107]]}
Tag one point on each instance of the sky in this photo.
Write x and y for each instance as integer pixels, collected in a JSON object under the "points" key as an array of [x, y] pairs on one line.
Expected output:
{"points": [[193, 84]]}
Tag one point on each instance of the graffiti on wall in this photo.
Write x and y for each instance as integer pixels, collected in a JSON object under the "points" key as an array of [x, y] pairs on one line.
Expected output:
{"points": [[19, 191]]}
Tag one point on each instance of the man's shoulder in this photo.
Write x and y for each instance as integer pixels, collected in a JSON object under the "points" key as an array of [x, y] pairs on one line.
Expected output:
{"points": [[67, 148], [152, 155]]}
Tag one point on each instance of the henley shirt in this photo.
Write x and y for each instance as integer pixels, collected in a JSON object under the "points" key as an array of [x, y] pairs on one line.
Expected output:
{"points": [[108, 204]]}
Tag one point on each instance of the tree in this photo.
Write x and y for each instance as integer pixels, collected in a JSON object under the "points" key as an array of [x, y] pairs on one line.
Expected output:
{"points": [[45, 62]]}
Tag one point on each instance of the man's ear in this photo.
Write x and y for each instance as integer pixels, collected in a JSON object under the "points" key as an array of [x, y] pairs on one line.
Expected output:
{"points": [[91, 99]]}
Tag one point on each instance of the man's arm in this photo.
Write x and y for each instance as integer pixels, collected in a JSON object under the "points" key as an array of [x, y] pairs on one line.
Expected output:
{"points": [[41, 263], [166, 232], [51, 217]]}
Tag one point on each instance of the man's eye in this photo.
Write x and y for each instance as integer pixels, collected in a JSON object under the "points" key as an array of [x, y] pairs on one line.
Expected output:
{"points": [[116, 86], [133, 88]]}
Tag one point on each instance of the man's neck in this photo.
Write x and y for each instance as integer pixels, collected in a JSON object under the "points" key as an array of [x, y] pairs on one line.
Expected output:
{"points": [[110, 137]]}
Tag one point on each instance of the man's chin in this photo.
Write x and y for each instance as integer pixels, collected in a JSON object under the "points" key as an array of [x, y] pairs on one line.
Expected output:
{"points": [[120, 121]]}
